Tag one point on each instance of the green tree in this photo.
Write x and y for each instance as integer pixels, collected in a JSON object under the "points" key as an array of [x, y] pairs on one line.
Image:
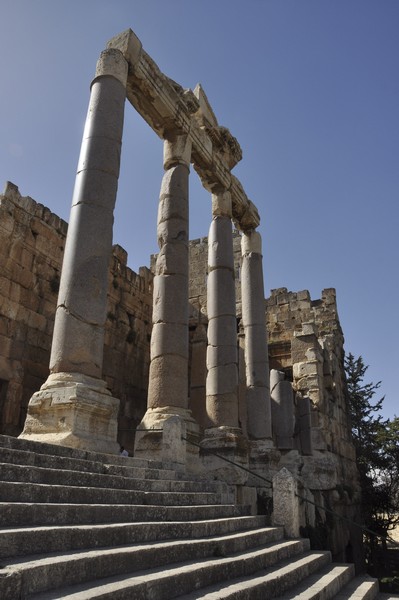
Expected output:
{"points": [[377, 454]]}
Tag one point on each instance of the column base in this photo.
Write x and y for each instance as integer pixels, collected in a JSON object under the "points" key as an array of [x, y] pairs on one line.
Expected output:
{"points": [[73, 410], [152, 444], [229, 443]]}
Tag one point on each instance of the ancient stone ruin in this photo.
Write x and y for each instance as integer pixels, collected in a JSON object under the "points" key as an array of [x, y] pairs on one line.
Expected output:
{"points": [[185, 362]]}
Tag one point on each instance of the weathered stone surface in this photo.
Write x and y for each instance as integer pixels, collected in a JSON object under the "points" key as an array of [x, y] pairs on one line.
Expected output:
{"points": [[168, 306], [169, 338], [285, 503], [168, 381]]}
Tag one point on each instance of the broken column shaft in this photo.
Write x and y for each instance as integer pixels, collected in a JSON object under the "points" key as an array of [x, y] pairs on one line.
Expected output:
{"points": [[256, 350]]}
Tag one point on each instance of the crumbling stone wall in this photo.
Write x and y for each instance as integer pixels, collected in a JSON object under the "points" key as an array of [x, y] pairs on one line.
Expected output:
{"points": [[32, 241]]}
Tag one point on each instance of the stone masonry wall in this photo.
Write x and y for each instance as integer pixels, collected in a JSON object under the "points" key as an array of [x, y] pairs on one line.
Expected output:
{"points": [[32, 241]]}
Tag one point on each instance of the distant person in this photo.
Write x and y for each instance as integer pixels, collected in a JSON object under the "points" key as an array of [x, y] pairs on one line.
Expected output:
{"points": [[123, 452]]}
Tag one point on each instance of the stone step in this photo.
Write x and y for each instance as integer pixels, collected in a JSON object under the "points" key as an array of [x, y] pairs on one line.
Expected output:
{"points": [[202, 561], [38, 492], [183, 580], [261, 585], [13, 514], [35, 540], [126, 467], [57, 476], [54, 450], [360, 588], [323, 585]]}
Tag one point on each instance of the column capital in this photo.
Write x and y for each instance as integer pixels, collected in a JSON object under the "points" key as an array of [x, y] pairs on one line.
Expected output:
{"points": [[222, 203], [112, 62], [251, 242], [176, 149]]}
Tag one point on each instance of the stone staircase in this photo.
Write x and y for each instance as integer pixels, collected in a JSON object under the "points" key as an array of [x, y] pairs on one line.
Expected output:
{"points": [[80, 525]]}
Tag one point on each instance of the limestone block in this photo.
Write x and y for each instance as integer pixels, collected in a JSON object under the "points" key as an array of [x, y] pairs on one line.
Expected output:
{"points": [[73, 410], [19, 274], [222, 379], [251, 242], [217, 329], [176, 149], [129, 44], [252, 279], [37, 321], [173, 441], [221, 298], [173, 202], [169, 338], [10, 310], [5, 345], [220, 246], [7, 222], [286, 503], [318, 439], [106, 159], [259, 426], [84, 280], [74, 345], [112, 63], [221, 205], [305, 424], [221, 355], [303, 369], [174, 230], [168, 382], [174, 193], [257, 374], [256, 343], [320, 472], [172, 259], [222, 409], [170, 305]]}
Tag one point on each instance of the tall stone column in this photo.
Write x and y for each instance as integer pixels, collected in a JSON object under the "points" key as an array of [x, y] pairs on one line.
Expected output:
{"points": [[256, 350], [222, 361], [224, 436], [168, 378], [74, 408]]}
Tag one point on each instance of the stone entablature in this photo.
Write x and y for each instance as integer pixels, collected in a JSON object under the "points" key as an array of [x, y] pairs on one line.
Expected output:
{"points": [[167, 107]]}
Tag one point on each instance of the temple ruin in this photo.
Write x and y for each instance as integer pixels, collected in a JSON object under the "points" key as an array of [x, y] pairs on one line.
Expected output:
{"points": [[185, 360]]}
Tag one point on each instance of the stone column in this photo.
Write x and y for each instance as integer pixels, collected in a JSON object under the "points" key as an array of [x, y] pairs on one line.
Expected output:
{"points": [[222, 362], [168, 378], [282, 396], [224, 435], [74, 408], [256, 350]]}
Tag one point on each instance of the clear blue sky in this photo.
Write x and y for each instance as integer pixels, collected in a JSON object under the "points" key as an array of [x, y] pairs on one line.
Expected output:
{"points": [[309, 87]]}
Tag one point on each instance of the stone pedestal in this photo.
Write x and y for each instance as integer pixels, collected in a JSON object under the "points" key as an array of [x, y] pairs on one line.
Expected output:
{"points": [[286, 511], [223, 451], [74, 410], [88, 415]]}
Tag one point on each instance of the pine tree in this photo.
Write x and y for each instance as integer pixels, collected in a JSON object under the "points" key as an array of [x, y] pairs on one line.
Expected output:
{"points": [[377, 455]]}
